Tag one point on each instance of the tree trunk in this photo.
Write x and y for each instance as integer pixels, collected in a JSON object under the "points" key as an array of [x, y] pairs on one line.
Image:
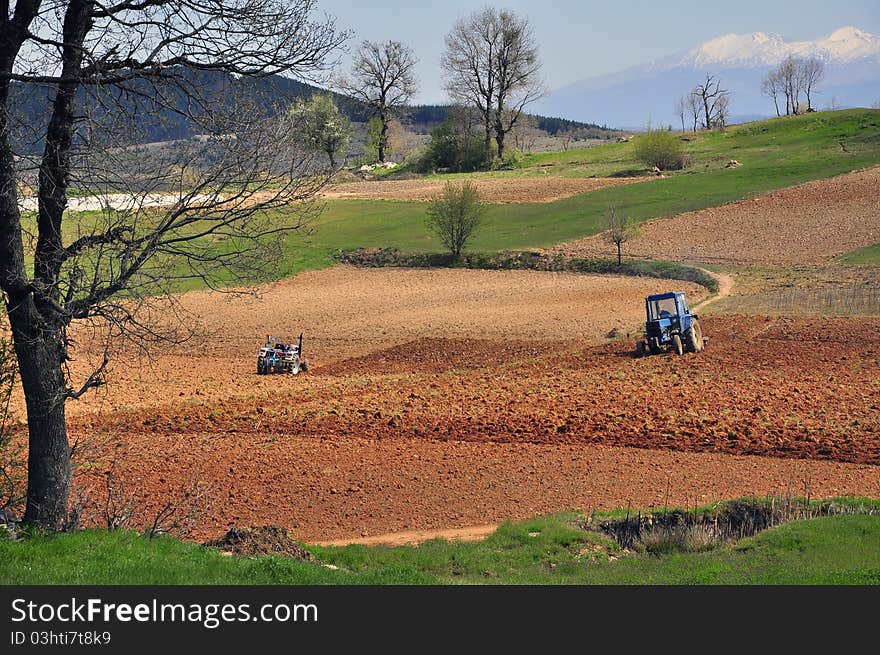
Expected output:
{"points": [[383, 138], [39, 350], [488, 139], [619, 254], [776, 104], [37, 326]]}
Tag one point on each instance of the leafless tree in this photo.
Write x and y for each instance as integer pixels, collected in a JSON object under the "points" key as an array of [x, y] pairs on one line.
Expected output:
{"points": [[681, 108], [693, 105], [104, 68], [491, 62], [722, 112], [383, 77], [788, 72], [712, 98], [812, 73], [620, 230], [526, 134], [792, 78], [773, 86], [566, 138]]}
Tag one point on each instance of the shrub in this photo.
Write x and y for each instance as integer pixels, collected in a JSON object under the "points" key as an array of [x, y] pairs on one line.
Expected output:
{"points": [[454, 150], [660, 148], [455, 215]]}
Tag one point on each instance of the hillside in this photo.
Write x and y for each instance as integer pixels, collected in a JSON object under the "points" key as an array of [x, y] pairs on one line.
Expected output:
{"points": [[773, 154], [174, 121]]}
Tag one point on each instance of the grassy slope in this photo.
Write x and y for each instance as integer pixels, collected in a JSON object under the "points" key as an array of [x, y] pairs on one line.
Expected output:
{"points": [[835, 550], [774, 154], [867, 255]]}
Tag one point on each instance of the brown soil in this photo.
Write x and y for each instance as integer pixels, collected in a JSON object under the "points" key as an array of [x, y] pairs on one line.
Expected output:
{"points": [[348, 313], [810, 223], [494, 190], [449, 399], [772, 406]]}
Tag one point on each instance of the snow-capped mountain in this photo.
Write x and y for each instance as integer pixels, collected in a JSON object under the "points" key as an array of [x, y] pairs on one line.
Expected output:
{"points": [[645, 93], [760, 49]]}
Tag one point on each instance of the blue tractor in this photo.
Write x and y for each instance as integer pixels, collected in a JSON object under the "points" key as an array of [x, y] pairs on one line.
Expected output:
{"points": [[669, 325]]}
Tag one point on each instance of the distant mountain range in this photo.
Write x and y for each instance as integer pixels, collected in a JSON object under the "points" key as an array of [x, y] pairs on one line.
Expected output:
{"points": [[637, 95]]}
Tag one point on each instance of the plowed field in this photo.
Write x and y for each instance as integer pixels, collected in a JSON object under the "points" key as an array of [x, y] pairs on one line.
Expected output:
{"points": [[494, 190], [807, 224], [443, 424]]}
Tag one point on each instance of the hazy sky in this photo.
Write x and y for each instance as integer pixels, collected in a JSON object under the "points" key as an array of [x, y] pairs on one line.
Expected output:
{"points": [[581, 39]]}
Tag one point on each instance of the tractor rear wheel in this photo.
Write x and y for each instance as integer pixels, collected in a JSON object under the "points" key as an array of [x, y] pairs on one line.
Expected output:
{"points": [[261, 367], [640, 349], [676, 344], [694, 337]]}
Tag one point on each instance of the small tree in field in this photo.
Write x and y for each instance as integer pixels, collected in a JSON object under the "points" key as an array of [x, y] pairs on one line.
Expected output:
{"points": [[620, 230], [455, 215]]}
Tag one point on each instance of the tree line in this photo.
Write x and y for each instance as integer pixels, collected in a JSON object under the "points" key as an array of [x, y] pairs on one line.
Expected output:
{"points": [[790, 85]]}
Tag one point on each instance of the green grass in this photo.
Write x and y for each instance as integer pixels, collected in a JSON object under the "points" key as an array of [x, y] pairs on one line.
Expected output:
{"points": [[774, 154], [866, 255], [548, 550]]}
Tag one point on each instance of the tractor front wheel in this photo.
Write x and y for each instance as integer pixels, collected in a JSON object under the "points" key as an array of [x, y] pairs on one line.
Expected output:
{"points": [[676, 345]]}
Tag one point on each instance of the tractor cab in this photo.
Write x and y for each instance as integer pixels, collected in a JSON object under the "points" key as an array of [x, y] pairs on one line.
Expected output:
{"points": [[669, 324]]}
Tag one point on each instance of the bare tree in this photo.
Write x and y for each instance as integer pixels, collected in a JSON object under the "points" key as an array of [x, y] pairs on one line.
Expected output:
{"points": [[566, 137], [620, 230], [104, 69], [712, 99], [812, 73], [792, 78], [383, 77], [693, 104], [772, 86], [788, 72], [681, 108], [526, 134], [491, 62], [722, 112]]}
